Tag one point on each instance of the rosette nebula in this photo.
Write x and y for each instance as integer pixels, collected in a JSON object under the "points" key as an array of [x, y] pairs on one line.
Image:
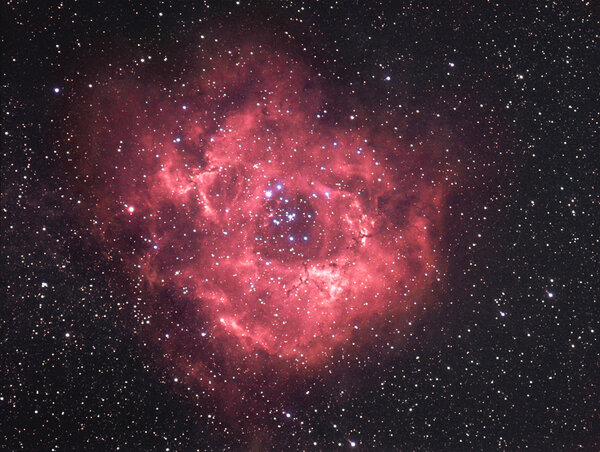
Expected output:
{"points": [[265, 219]]}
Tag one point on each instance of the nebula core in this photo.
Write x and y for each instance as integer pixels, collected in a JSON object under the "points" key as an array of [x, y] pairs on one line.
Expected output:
{"points": [[283, 218]]}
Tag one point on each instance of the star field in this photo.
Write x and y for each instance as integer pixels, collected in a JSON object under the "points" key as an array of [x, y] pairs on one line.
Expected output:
{"points": [[299, 226]]}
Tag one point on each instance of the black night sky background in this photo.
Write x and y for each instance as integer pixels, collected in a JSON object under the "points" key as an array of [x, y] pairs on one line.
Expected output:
{"points": [[493, 106]]}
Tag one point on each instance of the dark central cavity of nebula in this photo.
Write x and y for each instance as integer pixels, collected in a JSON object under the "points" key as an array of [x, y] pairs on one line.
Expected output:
{"points": [[265, 220]]}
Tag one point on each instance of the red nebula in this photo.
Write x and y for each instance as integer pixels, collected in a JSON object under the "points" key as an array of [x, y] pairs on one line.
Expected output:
{"points": [[232, 188]]}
